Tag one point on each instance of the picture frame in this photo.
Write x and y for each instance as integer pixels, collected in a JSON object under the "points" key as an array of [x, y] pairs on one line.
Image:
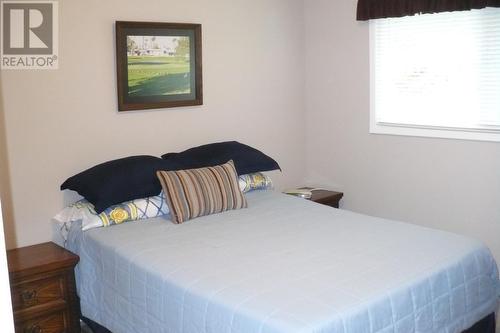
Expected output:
{"points": [[159, 65]]}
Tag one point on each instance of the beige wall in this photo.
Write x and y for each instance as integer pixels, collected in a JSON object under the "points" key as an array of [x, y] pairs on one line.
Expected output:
{"points": [[446, 184], [60, 122]]}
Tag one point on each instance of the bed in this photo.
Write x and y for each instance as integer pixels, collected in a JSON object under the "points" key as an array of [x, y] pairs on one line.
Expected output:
{"points": [[283, 265]]}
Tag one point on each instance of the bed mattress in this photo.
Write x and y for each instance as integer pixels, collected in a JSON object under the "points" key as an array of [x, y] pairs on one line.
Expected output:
{"points": [[283, 265]]}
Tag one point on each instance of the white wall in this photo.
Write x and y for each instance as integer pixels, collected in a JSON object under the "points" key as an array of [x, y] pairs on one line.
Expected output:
{"points": [[61, 122], [445, 184], [5, 304]]}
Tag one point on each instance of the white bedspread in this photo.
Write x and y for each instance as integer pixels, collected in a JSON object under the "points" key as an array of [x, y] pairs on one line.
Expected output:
{"points": [[284, 265]]}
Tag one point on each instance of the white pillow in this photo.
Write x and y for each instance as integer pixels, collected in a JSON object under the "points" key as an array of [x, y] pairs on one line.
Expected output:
{"points": [[255, 181], [134, 210]]}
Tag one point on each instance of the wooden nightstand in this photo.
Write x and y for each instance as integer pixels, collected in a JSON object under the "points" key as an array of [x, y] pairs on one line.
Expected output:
{"points": [[325, 197], [43, 289]]}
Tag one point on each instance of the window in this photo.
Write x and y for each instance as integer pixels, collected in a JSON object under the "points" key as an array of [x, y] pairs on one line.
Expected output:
{"points": [[437, 75]]}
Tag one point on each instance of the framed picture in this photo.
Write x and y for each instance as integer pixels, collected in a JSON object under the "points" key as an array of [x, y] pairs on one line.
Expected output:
{"points": [[158, 65]]}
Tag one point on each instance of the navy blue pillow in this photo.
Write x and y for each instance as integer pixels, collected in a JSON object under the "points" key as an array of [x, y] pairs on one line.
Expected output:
{"points": [[246, 159], [116, 181]]}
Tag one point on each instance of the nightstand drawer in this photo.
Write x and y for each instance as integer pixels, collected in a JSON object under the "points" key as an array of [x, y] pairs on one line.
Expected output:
{"points": [[52, 323], [30, 294]]}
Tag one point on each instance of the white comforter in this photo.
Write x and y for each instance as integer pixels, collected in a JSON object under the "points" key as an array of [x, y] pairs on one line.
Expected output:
{"points": [[284, 265]]}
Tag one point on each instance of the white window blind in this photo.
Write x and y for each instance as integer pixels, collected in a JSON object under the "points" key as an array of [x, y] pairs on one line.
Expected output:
{"points": [[437, 71]]}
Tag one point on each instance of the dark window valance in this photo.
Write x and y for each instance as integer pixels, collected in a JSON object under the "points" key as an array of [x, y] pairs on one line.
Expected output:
{"points": [[373, 9]]}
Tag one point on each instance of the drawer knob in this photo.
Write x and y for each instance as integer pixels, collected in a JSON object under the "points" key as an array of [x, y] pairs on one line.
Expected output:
{"points": [[33, 329], [29, 297]]}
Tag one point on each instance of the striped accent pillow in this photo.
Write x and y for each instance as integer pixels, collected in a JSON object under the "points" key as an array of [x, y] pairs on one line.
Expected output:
{"points": [[204, 191]]}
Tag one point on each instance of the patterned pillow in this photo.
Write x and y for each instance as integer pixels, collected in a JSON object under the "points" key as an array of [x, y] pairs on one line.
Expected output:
{"points": [[197, 192], [127, 211], [255, 181]]}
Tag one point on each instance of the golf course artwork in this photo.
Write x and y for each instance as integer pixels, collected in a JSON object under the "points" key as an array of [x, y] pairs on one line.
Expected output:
{"points": [[158, 65]]}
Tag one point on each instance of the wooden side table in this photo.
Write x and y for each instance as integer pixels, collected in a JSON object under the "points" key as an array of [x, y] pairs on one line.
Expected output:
{"points": [[43, 289], [321, 196], [325, 197]]}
